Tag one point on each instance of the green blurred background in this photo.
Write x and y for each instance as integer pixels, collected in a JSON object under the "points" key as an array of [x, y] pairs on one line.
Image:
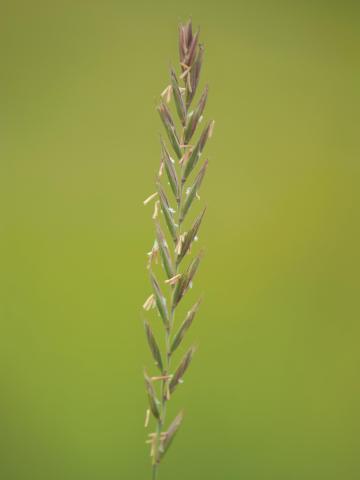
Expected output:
{"points": [[273, 392]]}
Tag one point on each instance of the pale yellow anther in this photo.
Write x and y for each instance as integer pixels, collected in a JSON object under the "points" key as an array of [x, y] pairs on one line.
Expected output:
{"points": [[147, 418], [180, 244], [161, 377], [211, 129], [189, 83], [161, 169], [156, 210], [185, 73], [167, 93], [149, 302], [173, 280], [151, 197]]}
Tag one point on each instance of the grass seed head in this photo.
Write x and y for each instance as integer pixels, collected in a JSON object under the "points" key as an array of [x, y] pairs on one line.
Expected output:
{"points": [[172, 207]]}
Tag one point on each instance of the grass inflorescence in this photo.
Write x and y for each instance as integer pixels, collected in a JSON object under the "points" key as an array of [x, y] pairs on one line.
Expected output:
{"points": [[177, 188]]}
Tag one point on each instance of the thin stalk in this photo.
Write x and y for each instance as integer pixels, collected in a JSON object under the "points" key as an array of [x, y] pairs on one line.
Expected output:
{"points": [[154, 471]]}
